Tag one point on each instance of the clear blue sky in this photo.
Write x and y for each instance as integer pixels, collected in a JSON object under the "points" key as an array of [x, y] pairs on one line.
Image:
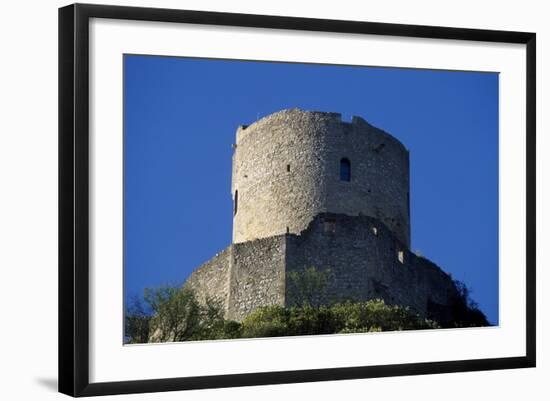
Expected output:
{"points": [[180, 120]]}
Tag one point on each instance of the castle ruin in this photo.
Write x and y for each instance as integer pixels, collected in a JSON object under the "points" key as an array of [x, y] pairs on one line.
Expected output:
{"points": [[312, 190]]}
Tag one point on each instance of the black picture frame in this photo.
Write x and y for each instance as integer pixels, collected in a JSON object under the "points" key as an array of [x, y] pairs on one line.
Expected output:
{"points": [[74, 194]]}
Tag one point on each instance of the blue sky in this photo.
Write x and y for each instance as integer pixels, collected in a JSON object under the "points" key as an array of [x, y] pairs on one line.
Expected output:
{"points": [[180, 119]]}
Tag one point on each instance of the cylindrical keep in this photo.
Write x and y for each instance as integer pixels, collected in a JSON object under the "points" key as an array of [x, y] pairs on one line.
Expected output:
{"points": [[294, 164]]}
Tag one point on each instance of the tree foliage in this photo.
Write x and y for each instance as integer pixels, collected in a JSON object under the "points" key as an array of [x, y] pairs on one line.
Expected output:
{"points": [[176, 313], [137, 319], [466, 312], [347, 317]]}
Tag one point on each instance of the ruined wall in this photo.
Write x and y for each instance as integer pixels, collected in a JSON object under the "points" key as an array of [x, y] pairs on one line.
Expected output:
{"points": [[367, 261], [257, 276], [211, 279], [286, 170], [243, 277]]}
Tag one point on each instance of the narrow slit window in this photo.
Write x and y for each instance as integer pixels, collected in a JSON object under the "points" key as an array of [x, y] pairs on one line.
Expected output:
{"points": [[236, 202], [345, 170], [401, 257]]}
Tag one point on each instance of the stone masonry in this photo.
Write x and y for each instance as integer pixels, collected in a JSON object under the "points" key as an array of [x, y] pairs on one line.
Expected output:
{"points": [[293, 209], [286, 170]]}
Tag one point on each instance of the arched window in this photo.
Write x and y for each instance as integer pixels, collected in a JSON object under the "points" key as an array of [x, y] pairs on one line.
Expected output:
{"points": [[236, 202], [345, 170]]}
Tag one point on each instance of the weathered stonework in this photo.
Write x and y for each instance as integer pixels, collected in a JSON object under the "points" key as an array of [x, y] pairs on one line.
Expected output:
{"points": [[362, 254], [257, 275], [367, 261], [293, 211], [286, 170], [211, 279]]}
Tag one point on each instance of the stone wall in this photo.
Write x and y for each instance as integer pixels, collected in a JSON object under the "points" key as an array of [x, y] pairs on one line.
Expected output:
{"points": [[379, 185], [243, 277], [211, 279], [367, 261], [286, 170], [257, 276], [278, 166]]}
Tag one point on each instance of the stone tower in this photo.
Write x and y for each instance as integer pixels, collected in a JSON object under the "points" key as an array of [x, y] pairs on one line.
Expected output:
{"points": [[312, 190], [292, 165]]}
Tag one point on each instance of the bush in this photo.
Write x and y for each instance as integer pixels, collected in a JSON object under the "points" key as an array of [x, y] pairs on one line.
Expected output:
{"points": [[465, 310], [136, 322], [309, 320], [348, 317], [268, 321], [375, 315], [175, 314]]}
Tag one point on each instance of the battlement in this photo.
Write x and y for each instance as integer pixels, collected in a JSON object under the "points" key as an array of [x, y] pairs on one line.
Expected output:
{"points": [[287, 116]]}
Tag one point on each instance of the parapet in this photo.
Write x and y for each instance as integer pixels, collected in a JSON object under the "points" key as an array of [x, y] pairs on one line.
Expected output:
{"points": [[288, 115]]}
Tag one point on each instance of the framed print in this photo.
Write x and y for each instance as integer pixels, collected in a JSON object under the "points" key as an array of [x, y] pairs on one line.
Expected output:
{"points": [[252, 199]]}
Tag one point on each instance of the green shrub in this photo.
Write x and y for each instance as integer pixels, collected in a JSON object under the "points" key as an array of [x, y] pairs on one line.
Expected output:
{"points": [[268, 321], [136, 322], [176, 313], [348, 317]]}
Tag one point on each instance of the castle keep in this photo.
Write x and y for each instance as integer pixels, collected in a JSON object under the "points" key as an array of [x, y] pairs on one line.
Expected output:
{"points": [[312, 190]]}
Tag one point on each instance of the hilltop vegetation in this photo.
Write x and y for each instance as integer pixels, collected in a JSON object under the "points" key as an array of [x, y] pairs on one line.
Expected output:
{"points": [[170, 313]]}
